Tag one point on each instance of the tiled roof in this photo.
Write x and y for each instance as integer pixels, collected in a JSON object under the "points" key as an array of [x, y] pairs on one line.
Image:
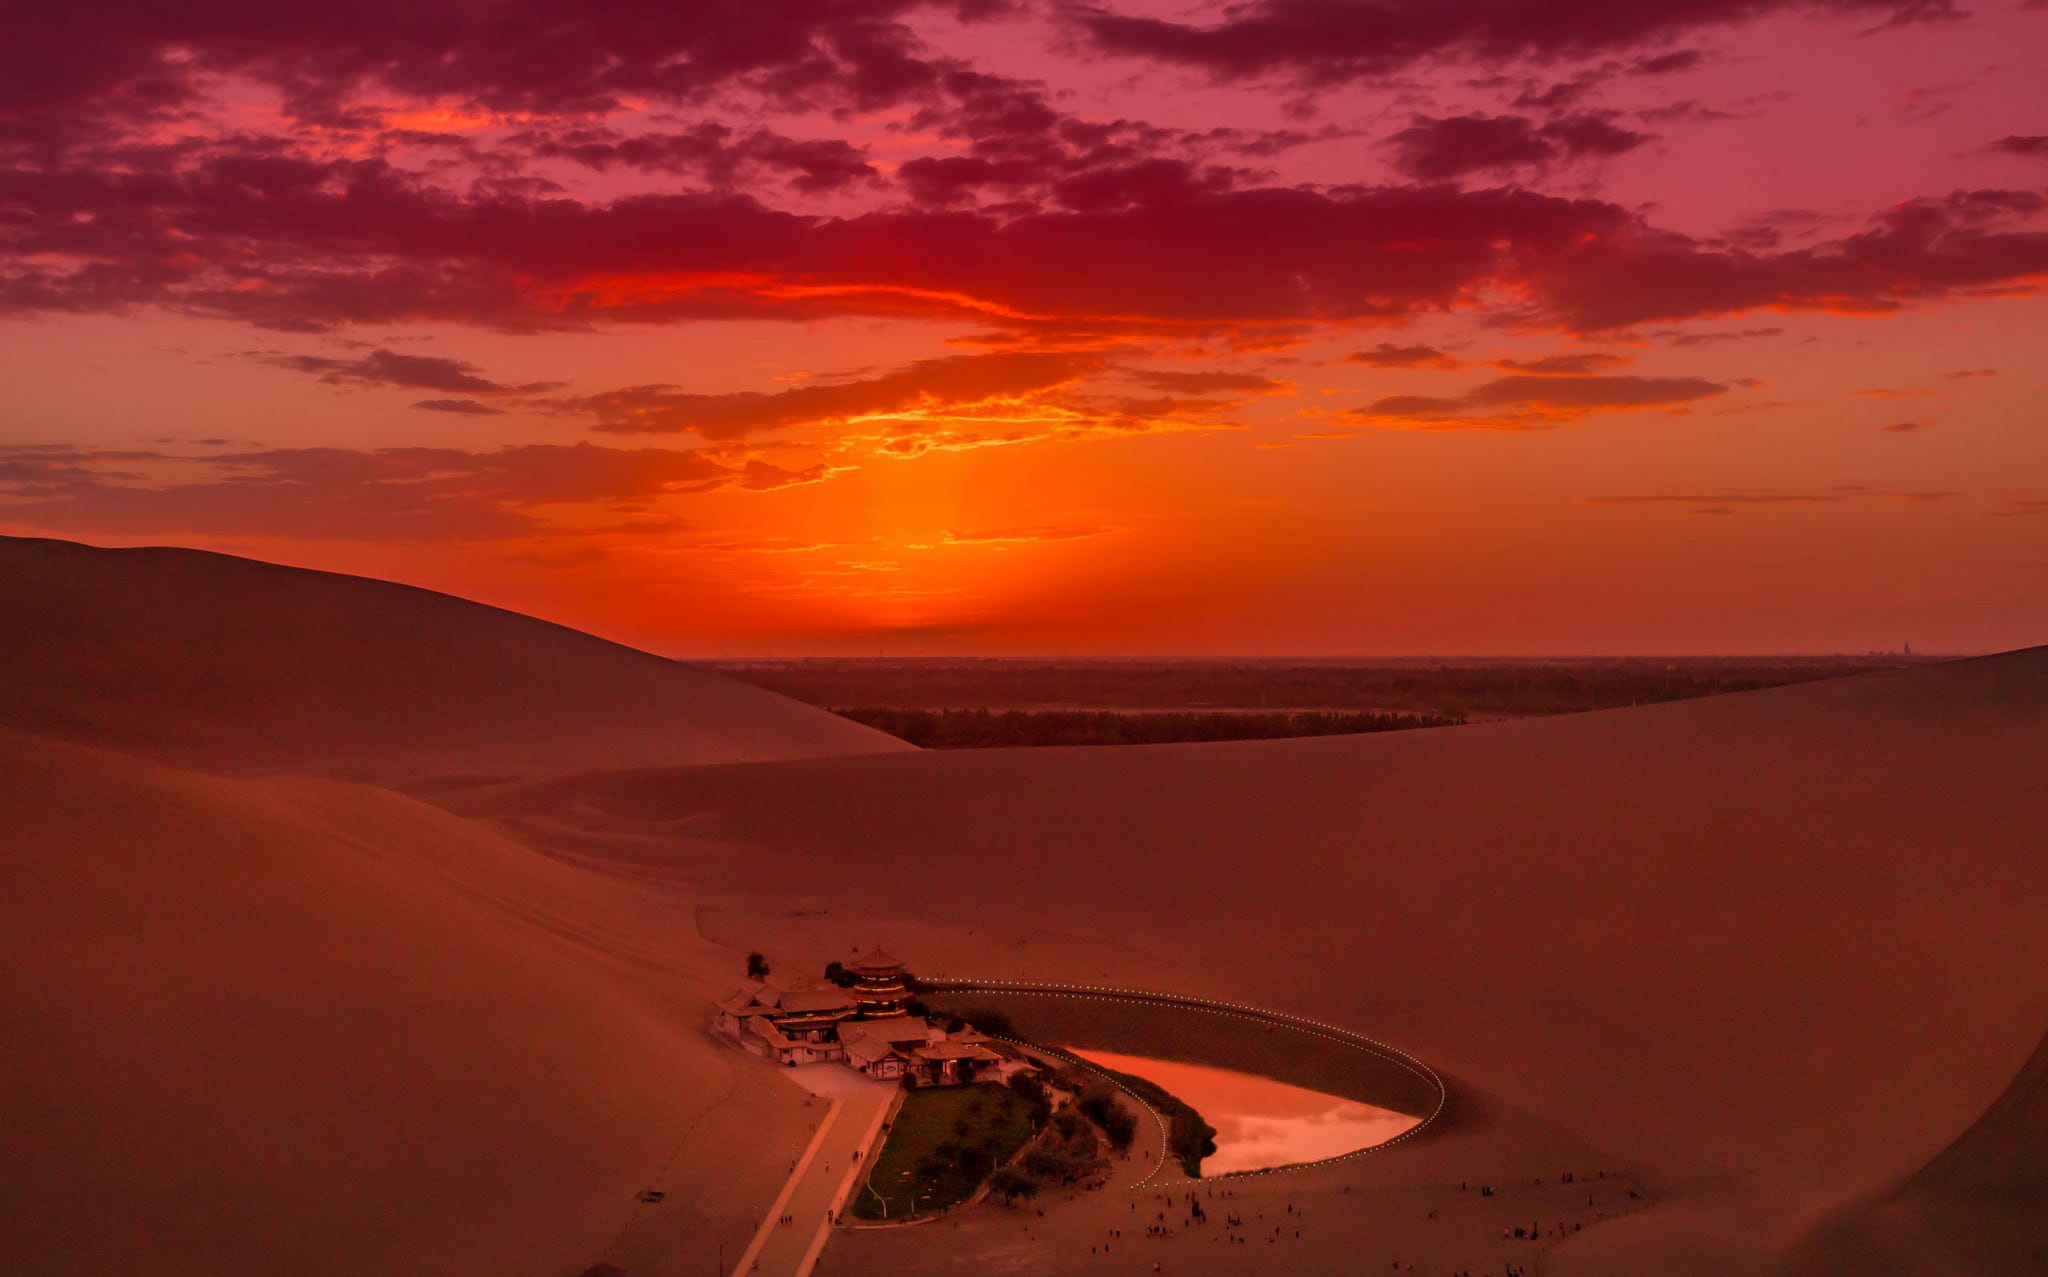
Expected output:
{"points": [[955, 1051], [868, 1050], [893, 1030], [826, 999]]}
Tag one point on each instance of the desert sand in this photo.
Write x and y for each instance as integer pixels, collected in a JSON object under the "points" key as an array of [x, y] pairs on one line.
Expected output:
{"points": [[1773, 961], [231, 665]]}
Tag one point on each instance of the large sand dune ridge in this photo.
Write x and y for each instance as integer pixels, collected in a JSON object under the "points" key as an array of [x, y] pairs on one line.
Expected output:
{"points": [[224, 663]]}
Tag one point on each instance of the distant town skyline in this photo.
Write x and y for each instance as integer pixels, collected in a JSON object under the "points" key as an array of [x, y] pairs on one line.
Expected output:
{"points": [[991, 327]]}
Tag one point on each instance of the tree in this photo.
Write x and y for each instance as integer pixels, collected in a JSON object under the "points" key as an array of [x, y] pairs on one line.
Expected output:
{"points": [[1012, 1184], [1099, 1104], [1191, 1139], [1028, 1088], [757, 967]]}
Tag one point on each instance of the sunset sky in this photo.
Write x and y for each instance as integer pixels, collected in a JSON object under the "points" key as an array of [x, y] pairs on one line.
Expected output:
{"points": [[1286, 327]]}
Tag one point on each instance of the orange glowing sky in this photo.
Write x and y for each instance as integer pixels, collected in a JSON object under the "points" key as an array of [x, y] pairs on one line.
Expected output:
{"points": [[856, 326]]}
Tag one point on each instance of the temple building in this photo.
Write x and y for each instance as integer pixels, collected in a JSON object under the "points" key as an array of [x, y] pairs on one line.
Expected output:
{"points": [[881, 1048], [880, 984], [917, 1051], [792, 1023], [862, 1018]]}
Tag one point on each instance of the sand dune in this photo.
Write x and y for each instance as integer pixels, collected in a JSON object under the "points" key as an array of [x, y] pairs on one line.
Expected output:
{"points": [[1776, 958], [1775, 951], [229, 664], [306, 1027]]}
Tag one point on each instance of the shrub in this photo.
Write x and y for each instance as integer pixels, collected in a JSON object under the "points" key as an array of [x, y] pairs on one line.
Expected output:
{"points": [[1190, 1139], [1013, 1184], [1099, 1104]]}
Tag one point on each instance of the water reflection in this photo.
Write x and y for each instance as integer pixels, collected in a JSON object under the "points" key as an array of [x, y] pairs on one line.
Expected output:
{"points": [[1260, 1122]]}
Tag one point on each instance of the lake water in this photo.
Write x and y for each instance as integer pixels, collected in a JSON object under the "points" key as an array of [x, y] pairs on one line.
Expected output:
{"points": [[1259, 1122]]}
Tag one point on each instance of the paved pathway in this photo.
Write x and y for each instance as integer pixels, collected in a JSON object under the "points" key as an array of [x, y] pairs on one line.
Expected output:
{"points": [[825, 1175]]}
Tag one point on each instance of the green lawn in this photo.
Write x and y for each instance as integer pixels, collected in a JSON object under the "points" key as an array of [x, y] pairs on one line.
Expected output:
{"points": [[942, 1145]]}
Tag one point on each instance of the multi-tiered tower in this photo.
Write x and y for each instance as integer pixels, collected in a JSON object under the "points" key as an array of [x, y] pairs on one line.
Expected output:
{"points": [[880, 985]]}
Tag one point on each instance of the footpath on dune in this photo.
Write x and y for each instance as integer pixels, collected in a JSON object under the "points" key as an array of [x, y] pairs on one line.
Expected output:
{"points": [[1773, 952], [227, 664]]}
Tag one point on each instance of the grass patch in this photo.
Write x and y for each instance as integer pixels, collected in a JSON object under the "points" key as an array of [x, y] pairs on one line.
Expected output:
{"points": [[942, 1145]]}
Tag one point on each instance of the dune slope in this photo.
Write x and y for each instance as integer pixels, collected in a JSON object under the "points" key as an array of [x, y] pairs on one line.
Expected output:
{"points": [[1977, 1207], [222, 663], [1775, 951], [307, 1027]]}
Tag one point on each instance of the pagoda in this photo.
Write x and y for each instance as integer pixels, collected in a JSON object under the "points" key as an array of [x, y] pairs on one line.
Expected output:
{"points": [[880, 985]]}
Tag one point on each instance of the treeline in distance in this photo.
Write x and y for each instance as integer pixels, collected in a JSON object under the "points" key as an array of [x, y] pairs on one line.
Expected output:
{"points": [[987, 729]]}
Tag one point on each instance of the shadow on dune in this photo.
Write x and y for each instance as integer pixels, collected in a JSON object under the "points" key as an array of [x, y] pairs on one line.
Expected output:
{"points": [[1978, 1209]]}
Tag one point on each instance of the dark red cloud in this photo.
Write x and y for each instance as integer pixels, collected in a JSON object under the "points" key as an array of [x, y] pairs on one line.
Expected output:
{"points": [[2034, 147], [1388, 355], [1689, 341], [1669, 63], [1564, 365], [53, 470], [1594, 392], [1330, 41], [712, 152], [391, 494], [1437, 149], [949, 381], [1441, 149], [67, 70], [257, 231], [1145, 182], [1525, 402], [1563, 95], [945, 181], [466, 407], [1924, 248], [1018, 147], [389, 368], [1208, 382]]}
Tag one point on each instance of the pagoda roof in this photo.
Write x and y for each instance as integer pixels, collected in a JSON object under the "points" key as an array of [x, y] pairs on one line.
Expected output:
{"points": [[876, 959]]}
